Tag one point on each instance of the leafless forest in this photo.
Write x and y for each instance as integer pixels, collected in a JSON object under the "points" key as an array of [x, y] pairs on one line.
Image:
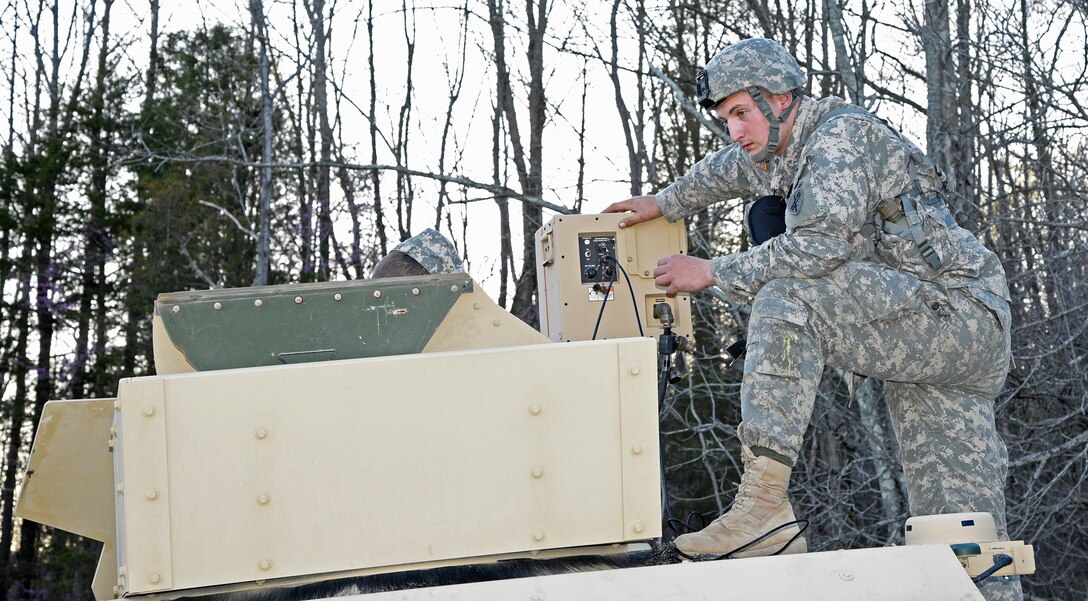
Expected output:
{"points": [[141, 156]]}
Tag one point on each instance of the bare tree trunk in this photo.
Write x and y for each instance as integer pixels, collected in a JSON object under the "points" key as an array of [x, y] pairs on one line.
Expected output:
{"points": [[456, 79], [405, 192], [1043, 170], [136, 313], [843, 65], [580, 194], [305, 198], [506, 251], [524, 305], [825, 81], [347, 186], [940, 103], [7, 172], [264, 217], [375, 179], [21, 313], [95, 243], [869, 396], [966, 202], [633, 158], [497, 19], [56, 157], [316, 10]]}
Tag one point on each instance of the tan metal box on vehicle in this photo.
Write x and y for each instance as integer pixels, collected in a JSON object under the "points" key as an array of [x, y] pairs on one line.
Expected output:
{"points": [[577, 258], [359, 466]]}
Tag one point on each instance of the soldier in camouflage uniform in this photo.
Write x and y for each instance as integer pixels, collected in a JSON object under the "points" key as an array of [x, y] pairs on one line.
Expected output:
{"points": [[426, 253], [872, 276]]}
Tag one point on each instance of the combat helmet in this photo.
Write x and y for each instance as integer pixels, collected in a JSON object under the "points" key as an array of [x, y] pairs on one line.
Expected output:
{"points": [[433, 251], [750, 65]]}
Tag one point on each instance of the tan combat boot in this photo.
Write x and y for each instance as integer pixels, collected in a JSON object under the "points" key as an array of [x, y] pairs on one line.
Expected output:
{"points": [[759, 507]]}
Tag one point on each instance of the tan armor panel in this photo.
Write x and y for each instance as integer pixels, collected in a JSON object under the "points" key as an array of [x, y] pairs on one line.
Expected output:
{"points": [[267, 473]]}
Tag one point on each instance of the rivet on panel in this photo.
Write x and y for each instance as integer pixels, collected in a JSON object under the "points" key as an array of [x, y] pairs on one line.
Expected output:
{"points": [[262, 499], [377, 294], [154, 579], [218, 306], [476, 306], [535, 598], [265, 564], [415, 291], [120, 489], [455, 288], [117, 405], [298, 300], [637, 526], [636, 449], [148, 411], [495, 323], [152, 494], [258, 303], [538, 535], [260, 433], [537, 472], [847, 576], [634, 371], [646, 274], [175, 309], [535, 409], [338, 297]]}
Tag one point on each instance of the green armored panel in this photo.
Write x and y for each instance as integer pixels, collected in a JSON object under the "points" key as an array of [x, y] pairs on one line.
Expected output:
{"points": [[300, 323]]}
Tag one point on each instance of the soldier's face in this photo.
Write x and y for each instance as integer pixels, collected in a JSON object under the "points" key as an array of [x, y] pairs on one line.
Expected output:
{"points": [[747, 124]]}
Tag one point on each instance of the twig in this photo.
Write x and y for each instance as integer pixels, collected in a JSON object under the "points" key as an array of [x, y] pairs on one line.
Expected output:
{"points": [[458, 180]]}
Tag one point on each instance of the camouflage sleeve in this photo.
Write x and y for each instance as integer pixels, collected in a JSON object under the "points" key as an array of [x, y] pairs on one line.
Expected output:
{"points": [[727, 173], [824, 214]]}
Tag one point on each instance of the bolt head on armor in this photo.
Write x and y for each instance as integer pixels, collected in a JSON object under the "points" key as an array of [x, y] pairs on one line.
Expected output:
{"points": [[433, 251], [755, 62]]}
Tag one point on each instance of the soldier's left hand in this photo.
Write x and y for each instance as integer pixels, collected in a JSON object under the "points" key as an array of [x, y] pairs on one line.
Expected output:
{"points": [[682, 273]]}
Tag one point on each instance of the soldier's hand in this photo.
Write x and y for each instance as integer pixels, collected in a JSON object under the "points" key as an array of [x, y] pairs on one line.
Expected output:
{"points": [[644, 208], [682, 273]]}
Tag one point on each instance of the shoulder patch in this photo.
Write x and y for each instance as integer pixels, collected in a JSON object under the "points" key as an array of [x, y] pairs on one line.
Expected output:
{"points": [[762, 165], [793, 205]]}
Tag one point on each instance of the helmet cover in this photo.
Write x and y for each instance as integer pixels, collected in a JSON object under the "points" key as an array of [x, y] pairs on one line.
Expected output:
{"points": [[755, 62], [433, 251]]}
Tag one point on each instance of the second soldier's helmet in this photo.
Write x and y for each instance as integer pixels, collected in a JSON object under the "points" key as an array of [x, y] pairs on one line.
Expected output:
{"points": [[751, 63], [433, 251]]}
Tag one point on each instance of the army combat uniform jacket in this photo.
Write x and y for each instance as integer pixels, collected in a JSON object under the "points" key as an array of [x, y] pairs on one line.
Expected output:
{"points": [[851, 284], [834, 176]]}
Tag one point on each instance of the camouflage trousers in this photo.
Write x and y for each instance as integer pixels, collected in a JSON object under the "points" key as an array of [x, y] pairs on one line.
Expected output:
{"points": [[943, 354]]}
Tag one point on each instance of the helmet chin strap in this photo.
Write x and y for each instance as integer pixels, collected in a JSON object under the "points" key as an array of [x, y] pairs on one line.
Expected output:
{"points": [[769, 150]]}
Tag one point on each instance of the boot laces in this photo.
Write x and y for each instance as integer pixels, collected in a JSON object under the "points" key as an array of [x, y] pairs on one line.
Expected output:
{"points": [[744, 487]]}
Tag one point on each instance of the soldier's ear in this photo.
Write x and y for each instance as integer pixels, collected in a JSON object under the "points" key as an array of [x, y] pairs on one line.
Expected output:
{"points": [[782, 100]]}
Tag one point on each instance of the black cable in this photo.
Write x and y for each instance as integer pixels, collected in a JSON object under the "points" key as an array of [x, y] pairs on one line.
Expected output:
{"points": [[600, 313], [1000, 560], [802, 525], [688, 525], [634, 302], [661, 392]]}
